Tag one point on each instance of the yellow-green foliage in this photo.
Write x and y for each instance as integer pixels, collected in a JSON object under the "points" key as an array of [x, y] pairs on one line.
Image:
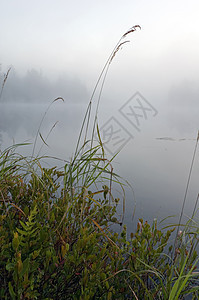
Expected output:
{"points": [[55, 246]]}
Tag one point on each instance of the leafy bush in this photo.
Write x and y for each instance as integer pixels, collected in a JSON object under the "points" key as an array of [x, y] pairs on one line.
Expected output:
{"points": [[56, 242]]}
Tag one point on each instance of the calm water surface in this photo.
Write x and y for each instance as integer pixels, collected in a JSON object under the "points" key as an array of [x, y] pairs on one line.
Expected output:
{"points": [[156, 168]]}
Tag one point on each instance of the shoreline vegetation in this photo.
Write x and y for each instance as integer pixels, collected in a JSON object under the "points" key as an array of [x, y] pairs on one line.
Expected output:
{"points": [[56, 240]]}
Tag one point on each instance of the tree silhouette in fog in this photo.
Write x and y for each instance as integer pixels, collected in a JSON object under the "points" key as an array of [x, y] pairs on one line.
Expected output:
{"points": [[34, 87]]}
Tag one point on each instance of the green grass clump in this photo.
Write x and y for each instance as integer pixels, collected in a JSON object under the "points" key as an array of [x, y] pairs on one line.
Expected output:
{"points": [[56, 240]]}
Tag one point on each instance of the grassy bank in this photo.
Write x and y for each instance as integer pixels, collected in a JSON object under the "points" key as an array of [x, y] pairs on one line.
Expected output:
{"points": [[56, 241]]}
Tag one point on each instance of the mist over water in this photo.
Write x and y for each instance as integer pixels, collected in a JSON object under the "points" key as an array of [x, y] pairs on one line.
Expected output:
{"points": [[154, 163]]}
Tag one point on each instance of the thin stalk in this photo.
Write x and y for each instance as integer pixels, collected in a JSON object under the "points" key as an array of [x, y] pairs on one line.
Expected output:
{"points": [[187, 186], [41, 122], [106, 66], [4, 82], [194, 210], [103, 76]]}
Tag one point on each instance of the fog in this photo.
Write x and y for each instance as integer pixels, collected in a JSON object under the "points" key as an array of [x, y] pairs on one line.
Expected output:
{"points": [[155, 158], [150, 96], [34, 87]]}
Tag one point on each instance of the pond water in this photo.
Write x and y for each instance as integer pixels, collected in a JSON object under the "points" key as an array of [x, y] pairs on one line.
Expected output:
{"points": [[155, 159]]}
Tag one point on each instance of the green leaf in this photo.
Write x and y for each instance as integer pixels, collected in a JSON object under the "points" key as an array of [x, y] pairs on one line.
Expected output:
{"points": [[64, 249], [181, 281], [15, 241], [187, 277], [11, 291], [25, 266], [25, 227], [10, 267], [22, 232], [35, 253]]}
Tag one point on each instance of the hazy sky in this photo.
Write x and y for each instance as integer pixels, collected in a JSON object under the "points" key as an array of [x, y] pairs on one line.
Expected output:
{"points": [[76, 37], [66, 43]]}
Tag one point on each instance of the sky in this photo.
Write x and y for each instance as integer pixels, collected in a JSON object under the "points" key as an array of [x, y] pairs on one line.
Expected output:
{"points": [[75, 38], [58, 49]]}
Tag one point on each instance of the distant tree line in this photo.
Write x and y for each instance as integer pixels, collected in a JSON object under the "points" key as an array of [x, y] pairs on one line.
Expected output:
{"points": [[35, 87]]}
